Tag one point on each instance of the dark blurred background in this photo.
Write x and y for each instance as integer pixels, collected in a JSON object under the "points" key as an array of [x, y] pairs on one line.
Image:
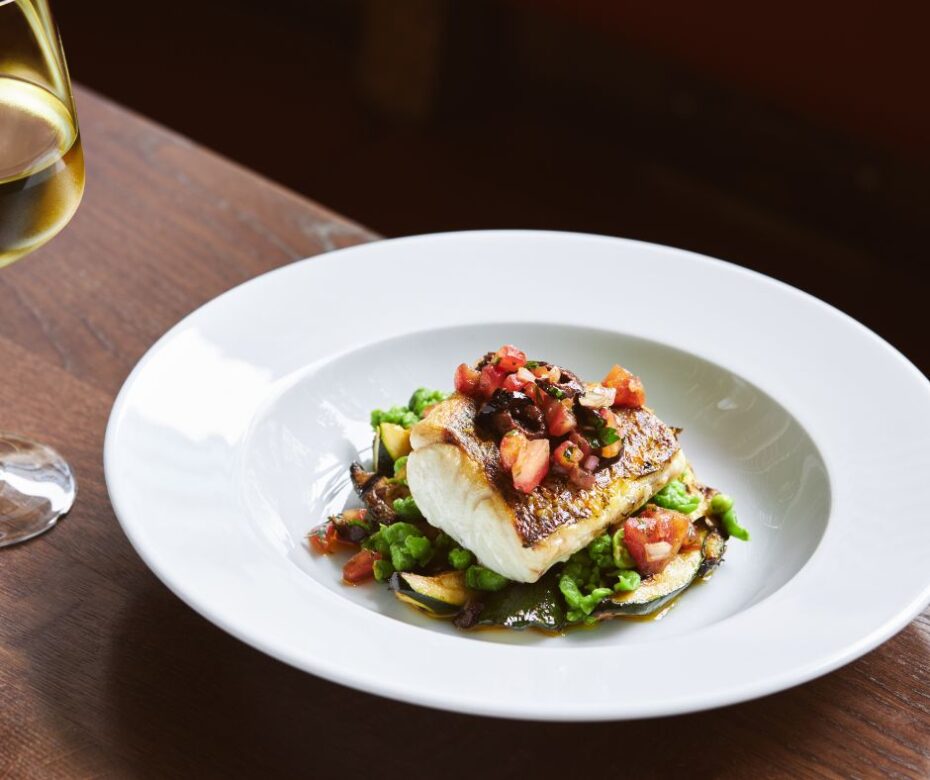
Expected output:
{"points": [[792, 138]]}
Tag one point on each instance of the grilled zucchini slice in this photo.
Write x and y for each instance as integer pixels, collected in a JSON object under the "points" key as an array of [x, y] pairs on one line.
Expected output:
{"points": [[441, 595], [713, 549], [525, 605], [657, 591], [391, 442]]}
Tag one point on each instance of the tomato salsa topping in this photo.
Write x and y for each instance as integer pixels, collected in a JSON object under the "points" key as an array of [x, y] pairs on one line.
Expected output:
{"points": [[544, 419]]}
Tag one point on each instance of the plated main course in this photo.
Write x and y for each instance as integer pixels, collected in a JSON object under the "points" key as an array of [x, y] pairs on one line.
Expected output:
{"points": [[529, 499]]}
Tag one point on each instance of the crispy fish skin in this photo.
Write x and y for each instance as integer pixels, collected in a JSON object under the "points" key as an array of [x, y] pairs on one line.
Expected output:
{"points": [[456, 478]]}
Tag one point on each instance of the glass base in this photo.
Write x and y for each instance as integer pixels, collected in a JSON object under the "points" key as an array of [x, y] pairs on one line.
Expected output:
{"points": [[36, 488]]}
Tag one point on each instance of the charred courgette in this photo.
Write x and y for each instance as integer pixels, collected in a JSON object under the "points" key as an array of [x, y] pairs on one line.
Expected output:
{"points": [[525, 605], [541, 605], [441, 595], [657, 591], [391, 442], [713, 548]]}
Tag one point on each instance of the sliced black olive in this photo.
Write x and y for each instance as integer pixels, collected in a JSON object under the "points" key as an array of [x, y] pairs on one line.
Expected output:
{"points": [[569, 382], [501, 401], [532, 420], [560, 390], [352, 531], [486, 360], [508, 410], [468, 617], [502, 422]]}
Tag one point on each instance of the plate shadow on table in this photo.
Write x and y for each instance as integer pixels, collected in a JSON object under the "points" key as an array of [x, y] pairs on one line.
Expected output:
{"points": [[178, 697]]}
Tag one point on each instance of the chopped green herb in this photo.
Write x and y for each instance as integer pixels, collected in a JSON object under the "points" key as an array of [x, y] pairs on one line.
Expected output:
{"points": [[605, 434]]}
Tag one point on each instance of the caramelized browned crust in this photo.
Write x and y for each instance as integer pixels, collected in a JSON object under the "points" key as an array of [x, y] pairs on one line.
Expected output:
{"points": [[648, 444]]}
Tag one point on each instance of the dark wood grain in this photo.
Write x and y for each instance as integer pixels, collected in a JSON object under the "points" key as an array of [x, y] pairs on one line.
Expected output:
{"points": [[103, 672]]}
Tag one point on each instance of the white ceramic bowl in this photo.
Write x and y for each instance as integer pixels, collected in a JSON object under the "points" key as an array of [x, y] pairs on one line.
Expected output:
{"points": [[232, 436]]}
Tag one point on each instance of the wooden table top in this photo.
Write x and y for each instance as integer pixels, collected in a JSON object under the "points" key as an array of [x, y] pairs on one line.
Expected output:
{"points": [[103, 672]]}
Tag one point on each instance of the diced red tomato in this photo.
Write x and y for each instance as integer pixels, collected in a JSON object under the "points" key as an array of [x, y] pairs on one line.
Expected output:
{"points": [[513, 383], [490, 380], [629, 387], [654, 537], [560, 419], [323, 540], [466, 379], [509, 358], [634, 396], [532, 465], [567, 455], [360, 567], [511, 446]]}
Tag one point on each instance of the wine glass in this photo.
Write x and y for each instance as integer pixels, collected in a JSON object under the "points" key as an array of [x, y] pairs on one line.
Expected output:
{"points": [[41, 183]]}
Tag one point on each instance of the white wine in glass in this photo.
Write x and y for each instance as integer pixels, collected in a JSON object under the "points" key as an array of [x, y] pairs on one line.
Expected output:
{"points": [[41, 183]]}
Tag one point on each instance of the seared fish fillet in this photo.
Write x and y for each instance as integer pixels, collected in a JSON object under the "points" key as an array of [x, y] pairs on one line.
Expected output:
{"points": [[456, 478]]}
